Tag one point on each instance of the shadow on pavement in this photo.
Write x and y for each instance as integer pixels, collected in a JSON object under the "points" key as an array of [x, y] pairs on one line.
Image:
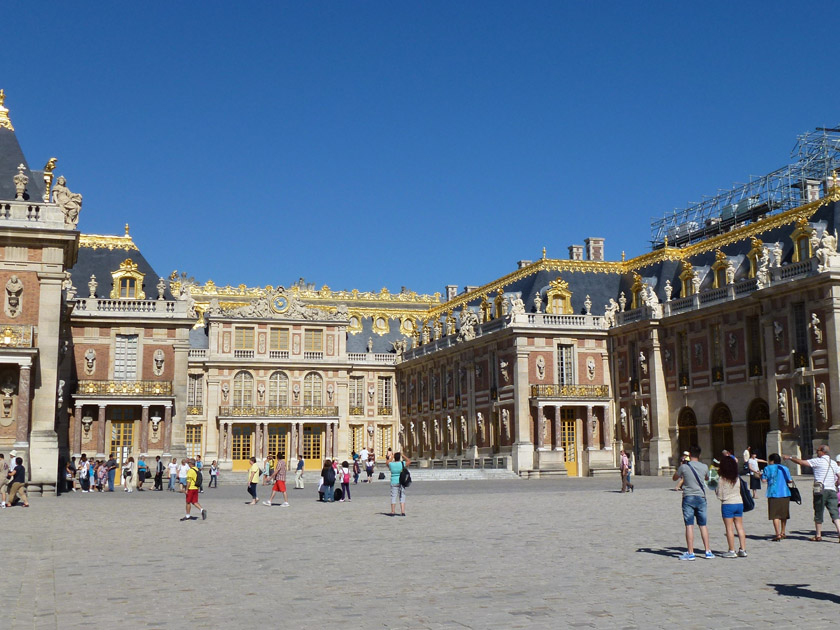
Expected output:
{"points": [[668, 552], [799, 590]]}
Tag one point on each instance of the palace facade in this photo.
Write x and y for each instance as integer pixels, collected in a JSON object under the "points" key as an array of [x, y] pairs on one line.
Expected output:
{"points": [[726, 337]]}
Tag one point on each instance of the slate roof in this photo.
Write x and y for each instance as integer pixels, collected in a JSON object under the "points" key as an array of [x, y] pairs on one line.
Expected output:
{"points": [[11, 156], [102, 261]]}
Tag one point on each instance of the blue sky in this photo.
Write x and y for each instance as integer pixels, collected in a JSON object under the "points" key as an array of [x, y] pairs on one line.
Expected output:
{"points": [[371, 144]]}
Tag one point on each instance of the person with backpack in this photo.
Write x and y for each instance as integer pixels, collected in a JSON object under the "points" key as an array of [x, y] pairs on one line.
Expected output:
{"points": [[344, 471], [328, 475], [193, 482], [400, 480]]}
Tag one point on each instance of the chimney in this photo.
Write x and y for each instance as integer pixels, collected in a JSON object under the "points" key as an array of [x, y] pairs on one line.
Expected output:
{"points": [[469, 288], [523, 263], [575, 252], [594, 249], [451, 291]]}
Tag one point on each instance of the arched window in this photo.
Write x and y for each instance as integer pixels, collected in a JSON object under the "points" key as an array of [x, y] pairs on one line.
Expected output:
{"points": [[278, 390], [721, 429], [687, 428], [243, 389], [758, 426], [312, 390]]}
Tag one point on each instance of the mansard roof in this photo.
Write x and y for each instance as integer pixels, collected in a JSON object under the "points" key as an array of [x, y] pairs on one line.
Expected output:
{"points": [[11, 156]]}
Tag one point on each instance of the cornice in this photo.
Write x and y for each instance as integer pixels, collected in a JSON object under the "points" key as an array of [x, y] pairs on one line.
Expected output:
{"points": [[104, 241]]}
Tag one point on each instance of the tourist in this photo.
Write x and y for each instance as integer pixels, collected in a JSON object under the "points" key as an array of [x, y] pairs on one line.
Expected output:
{"points": [[299, 474], [328, 475], [625, 472], [356, 470], [111, 467], [17, 476], [127, 474], [345, 481], [199, 465], [84, 473], [158, 474], [755, 472], [732, 507], [182, 475], [173, 474], [279, 484], [369, 467], [92, 477], [397, 489], [192, 492], [683, 460], [4, 480], [70, 475], [214, 475], [825, 472], [363, 455], [267, 469], [693, 473], [778, 494], [102, 474], [141, 471], [254, 473], [389, 456]]}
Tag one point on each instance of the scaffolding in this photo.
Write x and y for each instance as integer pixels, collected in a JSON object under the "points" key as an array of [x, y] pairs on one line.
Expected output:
{"points": [[817, 156]]}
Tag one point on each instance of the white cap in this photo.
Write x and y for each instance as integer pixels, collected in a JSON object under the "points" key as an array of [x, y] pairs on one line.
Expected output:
{"points": [[837, 459]]}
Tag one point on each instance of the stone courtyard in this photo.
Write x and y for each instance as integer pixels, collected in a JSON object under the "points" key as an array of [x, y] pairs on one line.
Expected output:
{"points": [[470, 554]]}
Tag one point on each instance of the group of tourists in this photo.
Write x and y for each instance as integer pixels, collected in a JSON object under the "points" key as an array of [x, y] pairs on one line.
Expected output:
{"points": [[12, 481], [724, 478], [99, 475]]}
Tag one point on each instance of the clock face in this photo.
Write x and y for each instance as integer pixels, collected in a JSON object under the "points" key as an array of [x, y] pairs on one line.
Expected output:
{"points": [[280, 303]]}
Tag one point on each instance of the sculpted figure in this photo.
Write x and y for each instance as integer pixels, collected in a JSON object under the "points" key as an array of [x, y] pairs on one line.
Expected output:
{"points": [[90, 361], [730, 273], [783, 417], [540, 367], [468, 323], [517, 306], [538, 303], [14, 287], [69, 202], [158, 358]]}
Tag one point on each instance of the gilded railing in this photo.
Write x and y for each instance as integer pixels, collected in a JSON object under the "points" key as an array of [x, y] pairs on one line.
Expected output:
{"points": [[195, 410], [383, 411], [277, 412], [16, 336], [126, 388], [570, 391], [357, 411]]}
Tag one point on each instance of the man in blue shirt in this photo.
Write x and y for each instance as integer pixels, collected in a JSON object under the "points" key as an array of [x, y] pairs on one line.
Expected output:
{"points": [[299, 474]]}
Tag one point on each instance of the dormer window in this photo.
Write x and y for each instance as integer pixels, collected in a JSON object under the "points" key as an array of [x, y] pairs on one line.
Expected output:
{"points": [[755, 254], [801, 237], [559, 298], [128, 282]]}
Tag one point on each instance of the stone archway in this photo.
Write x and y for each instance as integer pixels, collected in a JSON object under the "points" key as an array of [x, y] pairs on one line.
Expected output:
{"points": [[721, 421], [686, 430], [758, 426]]}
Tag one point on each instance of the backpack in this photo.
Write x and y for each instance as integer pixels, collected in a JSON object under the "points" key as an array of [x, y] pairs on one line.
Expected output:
{"points": [[405, 477], [347, 477], [199, 479]]}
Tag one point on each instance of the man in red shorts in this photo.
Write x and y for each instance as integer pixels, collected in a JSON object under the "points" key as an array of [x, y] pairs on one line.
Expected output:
{"points": [[192, 492], [279, 484]]}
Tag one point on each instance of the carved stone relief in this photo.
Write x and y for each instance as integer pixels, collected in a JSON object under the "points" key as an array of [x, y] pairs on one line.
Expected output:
{"points": [[14, 289], [540, 367], [90, 361], [159, 359]]}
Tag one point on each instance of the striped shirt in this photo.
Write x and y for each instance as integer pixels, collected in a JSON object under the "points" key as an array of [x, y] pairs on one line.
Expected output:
{"points": [[825, 471]]}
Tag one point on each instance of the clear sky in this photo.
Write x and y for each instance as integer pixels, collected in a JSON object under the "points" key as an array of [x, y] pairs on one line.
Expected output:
{"points": [[371, 144]]}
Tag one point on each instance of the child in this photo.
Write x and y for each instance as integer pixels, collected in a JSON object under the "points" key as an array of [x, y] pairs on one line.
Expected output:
{"points": [[214, 475], [345, 481]]}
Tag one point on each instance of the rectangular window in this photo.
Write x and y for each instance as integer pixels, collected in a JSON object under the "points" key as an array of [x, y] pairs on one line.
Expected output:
{"points": [[244, 339], [128, 288], [357, 395], [806, 420], [384, 437], [195, 390], [383, 395], [357, 437], [313, 341], [683, 358], [800, 328], [125, 358], [565, 365], [279, 339], [193, 440], [754, 345], [717, 357]]}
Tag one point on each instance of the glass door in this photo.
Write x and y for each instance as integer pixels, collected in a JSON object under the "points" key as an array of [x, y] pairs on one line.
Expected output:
{"points": [[242, 446], [313, 447]]}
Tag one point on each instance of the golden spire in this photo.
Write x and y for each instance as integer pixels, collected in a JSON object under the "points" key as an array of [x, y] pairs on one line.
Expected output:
{"points": [[622, 257], [126, 230], [5, 121], [543, 253]]}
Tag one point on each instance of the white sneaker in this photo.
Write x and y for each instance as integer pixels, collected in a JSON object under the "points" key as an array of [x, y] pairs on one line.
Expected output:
{"points": [[85, 491], [284, 504], [268, 503]]}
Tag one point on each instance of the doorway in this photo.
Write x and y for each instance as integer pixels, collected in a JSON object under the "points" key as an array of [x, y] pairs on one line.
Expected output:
{"points": [[242, 446], [568, 439]]}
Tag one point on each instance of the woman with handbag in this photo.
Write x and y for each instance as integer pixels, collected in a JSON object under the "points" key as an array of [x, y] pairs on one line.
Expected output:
{"points": [[732, 507], [778, 494]]}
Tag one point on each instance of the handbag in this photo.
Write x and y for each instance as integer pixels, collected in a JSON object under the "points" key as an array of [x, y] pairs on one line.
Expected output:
{"points": [[746, 497], [795, 496], [819, 486]]}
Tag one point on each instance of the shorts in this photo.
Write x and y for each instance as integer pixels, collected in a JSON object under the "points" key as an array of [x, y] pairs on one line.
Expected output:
{"points": [[828, 499], [192, 496], [694, 506], [397, 494], [732, 510], [183, 481], [279, 486]]}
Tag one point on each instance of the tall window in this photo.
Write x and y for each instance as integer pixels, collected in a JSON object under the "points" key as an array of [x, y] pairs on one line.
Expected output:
{"points": [[244, 338], [754, 345], [313, 341], [278, 390], [312, 390], [125, 358], [243, 390], [128, 288], [684, 358], [800, 329], [195, 390], [384, 439], [806, 419], [357, 437], [193, 440], [565, 365], [717, 357], [357, 394], [279, 339], [383, 394]]}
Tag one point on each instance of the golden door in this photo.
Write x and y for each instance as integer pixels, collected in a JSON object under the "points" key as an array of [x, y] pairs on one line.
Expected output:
{"points": [[313, 448], [242, 446], [122, 443], [568, 440], [278, 442]]}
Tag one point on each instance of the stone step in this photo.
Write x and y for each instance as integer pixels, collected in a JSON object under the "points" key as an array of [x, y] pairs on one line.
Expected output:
{"points": [[228, 478]]}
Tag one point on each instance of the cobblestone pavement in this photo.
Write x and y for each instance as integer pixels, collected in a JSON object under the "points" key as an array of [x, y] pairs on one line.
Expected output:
{"points": [[478, 554]]}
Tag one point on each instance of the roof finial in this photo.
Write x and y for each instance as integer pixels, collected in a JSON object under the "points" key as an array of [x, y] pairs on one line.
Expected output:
{"points": [[126, 230], [4, 113], [543, 253], [666, 240], [622, 256]]}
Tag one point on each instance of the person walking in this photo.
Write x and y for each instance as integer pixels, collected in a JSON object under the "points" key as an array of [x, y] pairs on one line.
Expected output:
{"points": [[732, 507], [182, 475], [199, 465], [625, 472], [192, 492], [173, 474], [328, 475], [397, 489], [825, 471], [694, 473], [778, 494], [254, 473], [299, 473], [84, 473], [344, 471], [17, 490], [214, 475], [369, 467], [279, 484], [356, 470]]}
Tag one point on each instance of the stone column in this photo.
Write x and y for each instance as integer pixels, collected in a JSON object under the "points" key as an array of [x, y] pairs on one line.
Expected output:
{"points": [[540, 429], [590, 432], [661, 450], [77, 431], [832, 342], [167, 431], [329, 439], [229, 442], [144, 430], [523, 447], [24, 396], [100, 433], [558, 445]]}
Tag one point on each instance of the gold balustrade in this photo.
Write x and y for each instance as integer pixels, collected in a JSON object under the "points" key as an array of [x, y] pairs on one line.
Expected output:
{"points": [[16, 336], [277, 412], [126, 388], [570, 391]]}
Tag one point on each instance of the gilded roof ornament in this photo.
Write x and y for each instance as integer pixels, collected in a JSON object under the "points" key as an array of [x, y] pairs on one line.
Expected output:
{"points": [[5, 121], [100, 241]]}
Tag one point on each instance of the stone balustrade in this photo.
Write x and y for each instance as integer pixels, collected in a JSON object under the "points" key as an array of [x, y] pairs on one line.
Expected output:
{"points": [[33, 214], [148, 308], [266, 411], [371, 357]]}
